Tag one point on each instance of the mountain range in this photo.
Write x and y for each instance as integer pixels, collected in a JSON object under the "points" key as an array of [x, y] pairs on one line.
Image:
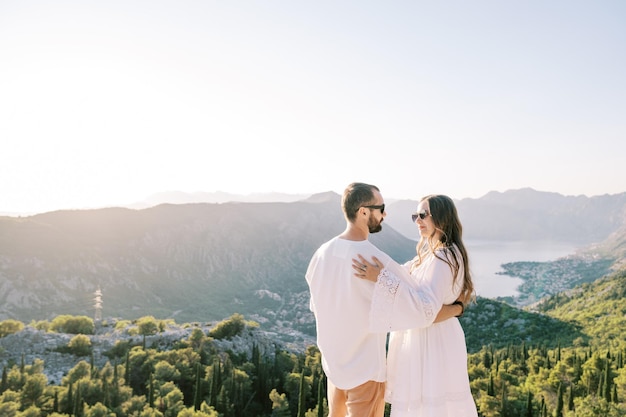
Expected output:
{"points": [[524, 214], [206, 261]]}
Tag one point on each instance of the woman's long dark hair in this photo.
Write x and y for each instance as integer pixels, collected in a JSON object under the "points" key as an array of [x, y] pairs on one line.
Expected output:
{"points": [[446, 221]]}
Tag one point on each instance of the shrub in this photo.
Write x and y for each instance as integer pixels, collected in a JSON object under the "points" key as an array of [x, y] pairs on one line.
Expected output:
{"points": [[80, 345], [73, 324], [10, 326], [229, 328]]}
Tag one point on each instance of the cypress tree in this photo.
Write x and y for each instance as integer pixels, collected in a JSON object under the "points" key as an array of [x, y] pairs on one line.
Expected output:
{"points": [[77, 402], [232, 395], [256, 356], [55, 403], [607, 379], [69, 406], [301, 397], [261, 384], [525, 351], [487, 362], [106, 401], [559, 402], [490, 387], [151, 391], [578, 366], [320, 396], [116, 388], [197, 394], [5, 383], [570, 401], [497, 364], [215, 383], [615, 399], [224, 406], [127, 369], [529, 404]]}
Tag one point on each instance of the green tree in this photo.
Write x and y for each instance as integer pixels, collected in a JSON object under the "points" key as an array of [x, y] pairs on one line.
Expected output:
{"points": [[302, 397], [197, 339], [570, 398], [10, 326], [591, 406], [173, 399], [147, 326], [98, 410], [73, 324], [4, 384], [164, 371], [529, 405], [133, 405], [32, 411], [321, 397], [197, 392], [227, 329], [558, 412], [33, 389], [69, 399], [81, 370], [280, 405], [191, 412], [608, 379], [80, 345], [9, 409]]}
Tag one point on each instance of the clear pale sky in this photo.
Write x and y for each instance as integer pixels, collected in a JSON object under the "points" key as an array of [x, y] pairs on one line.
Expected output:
{"points": [[106, 102]]}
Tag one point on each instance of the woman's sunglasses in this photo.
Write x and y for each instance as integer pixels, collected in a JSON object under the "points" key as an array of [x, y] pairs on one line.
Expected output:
{"points": [[421, 215]]}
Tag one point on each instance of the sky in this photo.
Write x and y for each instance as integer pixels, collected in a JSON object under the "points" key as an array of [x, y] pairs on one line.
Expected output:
{"points": [[105, 103]]}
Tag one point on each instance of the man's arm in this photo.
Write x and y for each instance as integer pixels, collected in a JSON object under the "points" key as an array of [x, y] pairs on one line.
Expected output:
{"points": [[450, 310]]}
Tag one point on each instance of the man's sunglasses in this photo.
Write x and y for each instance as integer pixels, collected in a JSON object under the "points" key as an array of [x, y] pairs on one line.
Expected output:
{"points": [[380, 207], [421, 215]]}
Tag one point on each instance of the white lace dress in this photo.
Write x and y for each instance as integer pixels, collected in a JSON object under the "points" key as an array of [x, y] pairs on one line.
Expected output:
{"points": [[426, 367]]}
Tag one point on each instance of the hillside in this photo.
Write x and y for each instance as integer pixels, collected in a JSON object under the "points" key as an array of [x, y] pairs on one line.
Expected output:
{"points": [[192, 262], [597, 308], [205, 261]]}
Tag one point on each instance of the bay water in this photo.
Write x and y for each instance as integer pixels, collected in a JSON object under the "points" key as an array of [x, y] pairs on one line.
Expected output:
{"points": [[486, 258]]}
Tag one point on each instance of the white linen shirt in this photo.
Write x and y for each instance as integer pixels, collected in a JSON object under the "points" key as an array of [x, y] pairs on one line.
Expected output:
{"points": [[351, 353]]}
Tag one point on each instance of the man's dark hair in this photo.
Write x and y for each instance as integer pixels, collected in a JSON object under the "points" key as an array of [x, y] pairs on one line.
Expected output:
{"points": [[355, 196]]}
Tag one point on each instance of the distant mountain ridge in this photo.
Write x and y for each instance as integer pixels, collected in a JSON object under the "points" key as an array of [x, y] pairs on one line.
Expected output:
{"points": [[522, 214], [180, 197], [527, 215], [206, 261]]}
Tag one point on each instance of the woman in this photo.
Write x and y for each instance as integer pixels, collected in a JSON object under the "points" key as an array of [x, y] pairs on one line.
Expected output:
{"points": [[427, 367]]}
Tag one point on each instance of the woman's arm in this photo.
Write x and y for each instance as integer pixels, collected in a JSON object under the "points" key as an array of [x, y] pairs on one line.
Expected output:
{"points": [[397, 304], [397, 299]]}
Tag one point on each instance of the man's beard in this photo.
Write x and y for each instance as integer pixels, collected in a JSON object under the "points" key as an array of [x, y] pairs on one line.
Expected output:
{"points": [[374, 226]]}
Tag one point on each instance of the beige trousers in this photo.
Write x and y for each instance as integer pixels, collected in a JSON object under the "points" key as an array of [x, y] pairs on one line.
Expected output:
{"points": [[365, 400]]}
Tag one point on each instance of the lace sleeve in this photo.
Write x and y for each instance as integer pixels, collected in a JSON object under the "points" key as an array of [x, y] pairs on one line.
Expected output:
{"points": [[383, 299], [399, 306]]}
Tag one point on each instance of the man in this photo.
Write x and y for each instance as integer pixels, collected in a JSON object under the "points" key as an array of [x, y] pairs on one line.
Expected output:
{"points": [[353, 357]]}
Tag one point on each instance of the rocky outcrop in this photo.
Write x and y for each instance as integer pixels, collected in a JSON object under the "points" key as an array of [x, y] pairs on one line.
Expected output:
{"points": [[30, 344]]}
